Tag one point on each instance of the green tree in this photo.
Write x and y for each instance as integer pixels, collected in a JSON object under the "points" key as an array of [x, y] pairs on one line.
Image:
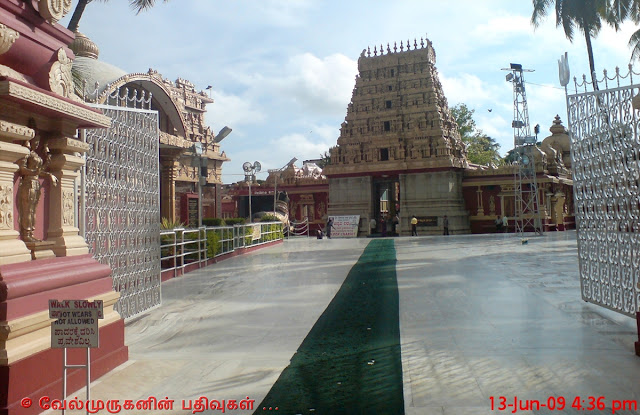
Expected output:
{"points": [[481, 149], [325, 160], [616, 12], [584, 15], [464, 118], [137, 5]]}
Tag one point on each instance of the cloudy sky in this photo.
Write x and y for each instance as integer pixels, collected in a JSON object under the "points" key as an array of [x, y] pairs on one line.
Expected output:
{"points": [[283, 71]]}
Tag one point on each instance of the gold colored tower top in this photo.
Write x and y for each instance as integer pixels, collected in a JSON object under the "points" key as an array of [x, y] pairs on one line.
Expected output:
{"points": [[398, 118]]}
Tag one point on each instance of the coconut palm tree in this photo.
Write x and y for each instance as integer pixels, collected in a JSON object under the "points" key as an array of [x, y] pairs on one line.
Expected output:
{"points": [[620, 10], [584, 15], [137, 5]]}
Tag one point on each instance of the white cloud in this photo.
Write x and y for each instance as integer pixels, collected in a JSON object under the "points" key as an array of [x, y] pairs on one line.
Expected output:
{"points": [[468, 89], [233, 110], [502, 29], [283, 13], [303, 146]]}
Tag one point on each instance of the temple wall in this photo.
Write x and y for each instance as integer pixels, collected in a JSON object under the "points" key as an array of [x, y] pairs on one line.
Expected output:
{"points": [[352, 196], [430, 194]]}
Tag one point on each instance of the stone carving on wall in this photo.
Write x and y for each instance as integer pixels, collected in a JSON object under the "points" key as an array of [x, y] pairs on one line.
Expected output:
{"points": [[31, 168], [13, 131], [7, 37], [60, 79], [68, 215], [6, 207], [54, 10]]}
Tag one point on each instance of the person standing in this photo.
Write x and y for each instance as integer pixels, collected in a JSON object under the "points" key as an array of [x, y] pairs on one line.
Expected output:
{"points": [[395, 221], [445, 225], [414, 226], [329, 227], [505, 223], [383, 221]]}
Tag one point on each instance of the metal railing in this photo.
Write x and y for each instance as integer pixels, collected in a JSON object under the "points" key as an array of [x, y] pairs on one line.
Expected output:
{"points": [[182, 247], [300, 228]]}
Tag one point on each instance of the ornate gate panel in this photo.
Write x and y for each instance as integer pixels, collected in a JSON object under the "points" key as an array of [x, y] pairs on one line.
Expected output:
{"points": [[605, 150], [122, 205]]}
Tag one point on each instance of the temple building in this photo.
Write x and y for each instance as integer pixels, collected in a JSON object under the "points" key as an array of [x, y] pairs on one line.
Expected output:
{"points": [[489, 191], [400, 152], [399, 149], [182, 125], [306, 187]]}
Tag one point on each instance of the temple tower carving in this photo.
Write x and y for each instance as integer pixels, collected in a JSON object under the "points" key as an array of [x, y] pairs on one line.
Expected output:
{"points": [[399, 149]]}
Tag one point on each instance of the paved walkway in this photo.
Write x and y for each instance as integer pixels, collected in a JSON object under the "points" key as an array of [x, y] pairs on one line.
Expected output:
{"points": [[482, 318]]}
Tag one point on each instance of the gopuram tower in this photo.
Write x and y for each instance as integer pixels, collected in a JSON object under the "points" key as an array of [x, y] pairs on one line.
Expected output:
{"points": [[399, 149]]}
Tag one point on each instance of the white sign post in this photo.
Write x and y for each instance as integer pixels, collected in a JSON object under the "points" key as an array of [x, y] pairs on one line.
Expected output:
{"points": [[345, 226], [76, 326]]}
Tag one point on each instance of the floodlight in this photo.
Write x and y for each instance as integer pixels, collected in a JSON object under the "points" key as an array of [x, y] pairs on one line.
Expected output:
{"points": [[516, 67], [222, 134], [517, 124], [509, 77]]}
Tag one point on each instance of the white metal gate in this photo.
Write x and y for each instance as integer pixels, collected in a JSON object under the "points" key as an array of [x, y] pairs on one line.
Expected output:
{"points": [[605, 151], [122, 204]]}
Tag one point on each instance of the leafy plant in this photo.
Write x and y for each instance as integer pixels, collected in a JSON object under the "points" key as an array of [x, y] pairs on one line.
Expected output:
{"points": [[269, 218], [213, 222]]}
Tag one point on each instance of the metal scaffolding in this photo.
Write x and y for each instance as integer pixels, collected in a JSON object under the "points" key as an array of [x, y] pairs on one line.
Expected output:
{"points": [[527, 203]]}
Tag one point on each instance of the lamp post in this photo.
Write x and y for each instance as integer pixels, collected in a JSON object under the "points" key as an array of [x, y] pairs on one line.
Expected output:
{"points": [[197, 162], [249, 175], [276, 173], [202, 165]]}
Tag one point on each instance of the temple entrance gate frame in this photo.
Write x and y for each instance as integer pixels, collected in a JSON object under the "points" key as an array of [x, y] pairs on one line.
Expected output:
{"points": [[604, 128], [121, 209]]}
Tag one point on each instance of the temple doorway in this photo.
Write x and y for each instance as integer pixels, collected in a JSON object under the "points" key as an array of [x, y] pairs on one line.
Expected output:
{"points": [[386, 203]]}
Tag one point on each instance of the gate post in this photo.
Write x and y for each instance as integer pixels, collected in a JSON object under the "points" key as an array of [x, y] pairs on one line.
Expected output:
{"points": [[12, 249], [62, 200]]}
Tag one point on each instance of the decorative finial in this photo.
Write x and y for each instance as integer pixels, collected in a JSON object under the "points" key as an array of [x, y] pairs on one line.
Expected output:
{"points": [[422, 43], [388, 49], [563, 69], [375, 51], [395, 47], [381, 49], [368, 51], [401, 47], [408, 44], [415, 44]]}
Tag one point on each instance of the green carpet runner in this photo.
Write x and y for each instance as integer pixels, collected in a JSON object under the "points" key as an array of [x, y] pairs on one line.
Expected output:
{"points": [[350, 362]]}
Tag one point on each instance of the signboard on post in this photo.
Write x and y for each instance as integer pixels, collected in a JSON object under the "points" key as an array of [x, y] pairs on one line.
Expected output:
{"points": [[345, 226], [77, 323]]}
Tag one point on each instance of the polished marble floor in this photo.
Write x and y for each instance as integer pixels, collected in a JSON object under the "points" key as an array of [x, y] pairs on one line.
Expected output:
{"points": [[482, 318]]}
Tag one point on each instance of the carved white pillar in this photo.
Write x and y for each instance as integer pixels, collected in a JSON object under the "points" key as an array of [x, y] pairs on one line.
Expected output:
{"points": [[65, 165], [12, 249]]}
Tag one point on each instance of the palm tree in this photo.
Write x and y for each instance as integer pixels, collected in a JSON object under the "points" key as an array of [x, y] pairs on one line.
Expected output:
{"points": [[619, 11], [137, 5], [585, 15]]}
